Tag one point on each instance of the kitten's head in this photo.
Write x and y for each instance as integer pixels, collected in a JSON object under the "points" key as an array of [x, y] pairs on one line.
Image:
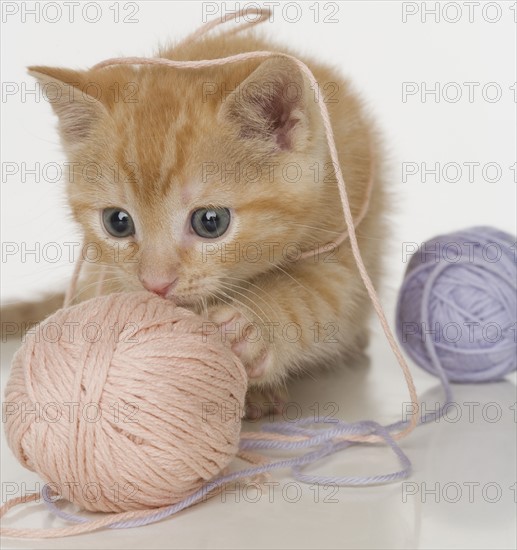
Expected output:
{"points": [[190, 181]]}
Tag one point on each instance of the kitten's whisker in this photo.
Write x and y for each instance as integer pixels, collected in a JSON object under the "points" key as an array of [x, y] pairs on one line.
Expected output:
{"points": [[359, 233], [248, 306], [251, 301], [251, 292], [228, 303], [315, 228], [268, 319], [291, 277], [87, 287], [237, 301], [246, 283]]}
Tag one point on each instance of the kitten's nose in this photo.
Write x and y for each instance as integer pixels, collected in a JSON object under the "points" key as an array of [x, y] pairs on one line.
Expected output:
{"points": [[159, 286]]}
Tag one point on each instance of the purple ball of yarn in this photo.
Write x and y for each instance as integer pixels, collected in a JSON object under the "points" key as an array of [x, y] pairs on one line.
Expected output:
{"points": [[457, 308]]}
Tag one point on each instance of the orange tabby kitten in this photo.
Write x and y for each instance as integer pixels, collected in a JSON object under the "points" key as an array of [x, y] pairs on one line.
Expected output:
{"points": [[221, 180]]}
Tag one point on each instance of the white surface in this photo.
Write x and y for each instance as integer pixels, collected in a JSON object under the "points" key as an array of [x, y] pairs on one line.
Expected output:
{"points": [[379, 52]]}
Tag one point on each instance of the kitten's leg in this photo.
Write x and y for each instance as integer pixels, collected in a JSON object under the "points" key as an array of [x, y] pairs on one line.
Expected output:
{"points": [[18, 317], [288, 323]]}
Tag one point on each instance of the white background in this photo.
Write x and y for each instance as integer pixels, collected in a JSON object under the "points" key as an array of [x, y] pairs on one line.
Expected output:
{"points": [[379, 51]]}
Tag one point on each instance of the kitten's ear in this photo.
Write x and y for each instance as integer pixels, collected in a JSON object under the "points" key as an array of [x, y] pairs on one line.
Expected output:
{"points": [[66, 91], [271, 105]]}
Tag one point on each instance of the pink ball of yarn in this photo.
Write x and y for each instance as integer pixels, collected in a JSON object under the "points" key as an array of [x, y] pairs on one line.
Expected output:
{"points": [[108, 401]]}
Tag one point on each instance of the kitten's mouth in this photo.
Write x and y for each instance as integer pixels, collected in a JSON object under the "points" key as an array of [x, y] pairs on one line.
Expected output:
{"points": [[188, 298], [183, 300]]}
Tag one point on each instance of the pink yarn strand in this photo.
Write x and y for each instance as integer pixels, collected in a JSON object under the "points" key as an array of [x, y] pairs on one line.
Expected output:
{"points": [[346, 212], [70, 291], [263, 14], [350, 233]]}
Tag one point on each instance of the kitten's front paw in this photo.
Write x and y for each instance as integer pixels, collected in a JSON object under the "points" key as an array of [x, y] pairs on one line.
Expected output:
{"points": [[245, 338]]}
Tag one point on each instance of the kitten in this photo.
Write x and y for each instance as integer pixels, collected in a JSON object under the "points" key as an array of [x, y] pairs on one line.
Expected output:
{"points": [[213, 181]]}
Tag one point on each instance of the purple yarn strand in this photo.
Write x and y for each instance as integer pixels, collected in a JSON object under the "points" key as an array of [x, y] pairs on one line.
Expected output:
{"points": [[329, 447], [294, 463], [324, 441]]}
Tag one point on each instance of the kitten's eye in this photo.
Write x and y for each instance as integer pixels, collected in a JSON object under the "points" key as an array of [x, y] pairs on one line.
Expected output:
{"points": [[210, 222], [118, 222]]}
